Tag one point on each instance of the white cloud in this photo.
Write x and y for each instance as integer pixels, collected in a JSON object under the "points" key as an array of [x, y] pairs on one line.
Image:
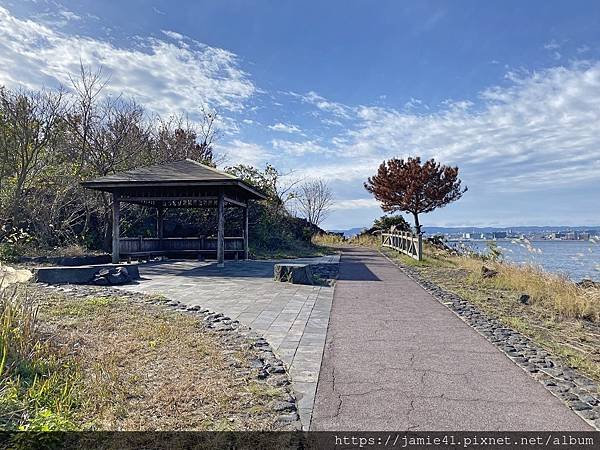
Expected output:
{"points": [[552, 45], [69, 15], [173, 35], [285, 128], [358, 203], [337, 109], [583, 49], [165, 76], [239, 152], [299, 148], [540, 130]]}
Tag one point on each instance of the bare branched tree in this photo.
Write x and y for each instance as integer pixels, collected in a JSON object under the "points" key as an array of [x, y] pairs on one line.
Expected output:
{"points": [[178, 138], [29, 131], [315, 200]]}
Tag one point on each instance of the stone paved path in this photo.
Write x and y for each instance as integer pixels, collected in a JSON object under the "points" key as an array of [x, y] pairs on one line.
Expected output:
{"points": [[293, 318], [397, 359]]}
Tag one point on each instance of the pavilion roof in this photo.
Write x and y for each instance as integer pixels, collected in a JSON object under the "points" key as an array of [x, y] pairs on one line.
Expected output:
{"points": [[182, 173]]}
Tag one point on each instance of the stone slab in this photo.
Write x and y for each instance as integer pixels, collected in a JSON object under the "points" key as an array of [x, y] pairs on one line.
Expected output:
{"points": [[78, 274]]}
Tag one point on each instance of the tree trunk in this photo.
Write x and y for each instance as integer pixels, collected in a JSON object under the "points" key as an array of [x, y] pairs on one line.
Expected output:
{"points": [[417, 224]]}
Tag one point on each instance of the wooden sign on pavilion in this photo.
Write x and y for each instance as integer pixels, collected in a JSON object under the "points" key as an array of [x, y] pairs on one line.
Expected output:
{"points": [[178, 184]]}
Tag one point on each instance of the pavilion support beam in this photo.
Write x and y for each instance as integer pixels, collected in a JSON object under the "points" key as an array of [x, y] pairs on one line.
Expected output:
{"points": [[116, 218], [221, 230], [245, 209], [160, 224]]}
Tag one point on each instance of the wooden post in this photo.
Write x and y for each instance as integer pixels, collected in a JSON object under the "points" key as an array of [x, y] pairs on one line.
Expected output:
{"points": [[246, 237], [116, 216], [420, 248], [221, 230], [160, 215]]}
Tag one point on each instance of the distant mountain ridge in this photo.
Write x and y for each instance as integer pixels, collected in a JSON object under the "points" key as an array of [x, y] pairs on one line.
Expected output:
{"points": [[521, 229]]}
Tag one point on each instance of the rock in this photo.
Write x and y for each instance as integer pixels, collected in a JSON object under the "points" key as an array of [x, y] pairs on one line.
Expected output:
{"points": [[588, 414], [293, 273], [256, 363], [580, 406], [588, 284], [287, 418], [589, 399], [486, 272], [277, 369], [100, 281], [119, 275], [284, 406], [524, 299], [570, 396], [261, 343]]}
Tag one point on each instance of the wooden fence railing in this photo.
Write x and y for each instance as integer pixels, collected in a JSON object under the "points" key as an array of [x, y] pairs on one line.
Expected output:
{"points": [[405, 242], [178, 245]]}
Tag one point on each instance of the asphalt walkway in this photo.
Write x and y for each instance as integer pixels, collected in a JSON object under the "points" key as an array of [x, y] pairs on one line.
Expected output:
{"points": [[397, 359]]}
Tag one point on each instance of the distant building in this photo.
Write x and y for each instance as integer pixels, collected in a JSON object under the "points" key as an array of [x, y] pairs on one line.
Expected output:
{"points": [[499, 234]]}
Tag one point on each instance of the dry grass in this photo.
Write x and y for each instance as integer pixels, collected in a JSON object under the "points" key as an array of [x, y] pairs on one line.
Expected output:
{"points": [[366, 240], [561, 317], [549, 291], [38, 381], [325, 240], [147, 368]]}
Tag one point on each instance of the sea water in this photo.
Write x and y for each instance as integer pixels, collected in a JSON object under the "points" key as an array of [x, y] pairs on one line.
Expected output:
{"points": [[575, 259]]}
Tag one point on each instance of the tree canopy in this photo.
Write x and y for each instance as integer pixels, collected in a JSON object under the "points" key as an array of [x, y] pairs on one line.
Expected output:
{"points": [[387, 222], [415, 187]]}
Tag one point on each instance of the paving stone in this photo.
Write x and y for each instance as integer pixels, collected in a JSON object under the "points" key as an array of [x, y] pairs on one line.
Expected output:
{"points": [[292, 318]]}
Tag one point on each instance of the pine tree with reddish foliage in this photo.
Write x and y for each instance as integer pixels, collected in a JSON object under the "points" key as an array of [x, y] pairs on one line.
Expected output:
{"points": [[415, 187]]}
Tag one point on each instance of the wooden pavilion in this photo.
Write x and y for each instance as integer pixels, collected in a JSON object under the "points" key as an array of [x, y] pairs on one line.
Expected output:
{"points": [[178, 184]]}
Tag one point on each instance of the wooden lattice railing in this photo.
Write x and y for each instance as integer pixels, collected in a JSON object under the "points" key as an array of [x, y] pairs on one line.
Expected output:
{"points": [[405, 242]]}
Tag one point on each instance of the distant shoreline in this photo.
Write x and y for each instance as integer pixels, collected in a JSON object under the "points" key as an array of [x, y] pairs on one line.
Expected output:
{"points": [[515, 239]]}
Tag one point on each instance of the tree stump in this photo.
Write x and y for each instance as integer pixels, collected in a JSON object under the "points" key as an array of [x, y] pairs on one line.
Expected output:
{"points": [[293, 273]]}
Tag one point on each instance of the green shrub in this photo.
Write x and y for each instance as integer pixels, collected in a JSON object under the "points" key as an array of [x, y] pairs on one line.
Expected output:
{"points": [[38, 386]]}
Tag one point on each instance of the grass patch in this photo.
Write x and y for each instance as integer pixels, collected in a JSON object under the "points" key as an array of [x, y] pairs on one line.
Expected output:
{"points": [[81, 308], [39, 382], [144, 367], [332, 240]]}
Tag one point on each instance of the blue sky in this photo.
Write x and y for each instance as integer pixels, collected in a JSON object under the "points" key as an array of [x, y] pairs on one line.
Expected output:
{"points": [[508, 91]]}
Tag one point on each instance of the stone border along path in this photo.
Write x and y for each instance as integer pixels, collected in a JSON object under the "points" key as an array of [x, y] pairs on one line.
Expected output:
{"points": [[398, 358], [577, 391], [269, 368], [292, 318]]}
